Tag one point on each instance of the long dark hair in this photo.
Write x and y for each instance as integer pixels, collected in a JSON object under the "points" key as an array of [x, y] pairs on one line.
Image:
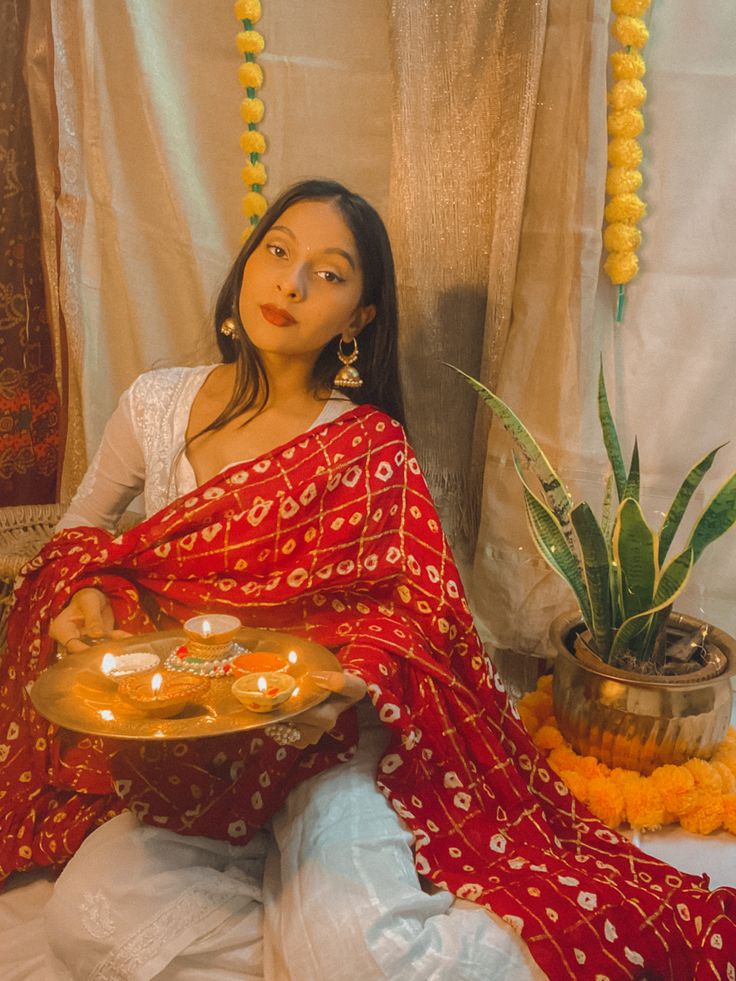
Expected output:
{"points": [[378, 361]]}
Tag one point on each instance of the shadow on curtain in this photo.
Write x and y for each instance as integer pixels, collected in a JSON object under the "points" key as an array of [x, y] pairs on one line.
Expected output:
{"points": [[551, 353], [465, 78]]}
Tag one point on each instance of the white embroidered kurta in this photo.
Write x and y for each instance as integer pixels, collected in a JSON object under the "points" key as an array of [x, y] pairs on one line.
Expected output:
{"points": [[142, 448]]}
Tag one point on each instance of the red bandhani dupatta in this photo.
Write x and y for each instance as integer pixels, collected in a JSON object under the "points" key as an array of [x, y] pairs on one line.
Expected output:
{"points": [[334, 537]]}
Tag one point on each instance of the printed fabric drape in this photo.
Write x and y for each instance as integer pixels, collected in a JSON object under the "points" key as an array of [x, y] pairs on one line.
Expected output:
{"points": [[29, 400], [333, 536]]}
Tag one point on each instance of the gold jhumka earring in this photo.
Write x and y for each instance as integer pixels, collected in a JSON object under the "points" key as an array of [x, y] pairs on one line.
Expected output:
{"points": [[228, 328], [347, 376]]}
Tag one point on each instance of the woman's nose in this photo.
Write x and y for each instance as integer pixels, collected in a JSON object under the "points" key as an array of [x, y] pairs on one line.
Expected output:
{"points": [[292, 283]]}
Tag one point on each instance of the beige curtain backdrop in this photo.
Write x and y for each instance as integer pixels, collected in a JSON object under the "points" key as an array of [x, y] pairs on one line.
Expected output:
{"points": [[135, 114], [670, 364], [465, 78], [135, 108]]}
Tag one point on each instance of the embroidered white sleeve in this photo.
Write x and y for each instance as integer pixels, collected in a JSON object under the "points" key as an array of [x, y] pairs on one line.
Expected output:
{"points": [[141, 446], [114, 477]]}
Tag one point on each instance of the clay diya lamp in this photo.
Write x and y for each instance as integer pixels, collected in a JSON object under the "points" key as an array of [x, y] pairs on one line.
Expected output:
{"points": [[263, 692], [211, 637], [162, 694]]}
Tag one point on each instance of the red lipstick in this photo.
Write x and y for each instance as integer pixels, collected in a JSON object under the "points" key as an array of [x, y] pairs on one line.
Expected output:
{"points": [[277, 316]]}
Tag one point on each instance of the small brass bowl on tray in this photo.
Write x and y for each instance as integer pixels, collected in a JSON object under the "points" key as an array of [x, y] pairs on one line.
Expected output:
{"points": [[76, 694], [125, 665]]}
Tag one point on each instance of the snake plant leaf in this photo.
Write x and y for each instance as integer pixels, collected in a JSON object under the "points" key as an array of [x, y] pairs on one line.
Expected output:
{"points": [[635, 557], [688, 487], [671, 583], [607, 511], [552, 544], [555, 491], [716, 519], [626, 633], [597, 573], [673, 577], [650, 648], [633, 481], [610, 438]]}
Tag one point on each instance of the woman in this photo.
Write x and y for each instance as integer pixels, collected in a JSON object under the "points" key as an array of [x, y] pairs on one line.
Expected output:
{"points": [[328, 531]]}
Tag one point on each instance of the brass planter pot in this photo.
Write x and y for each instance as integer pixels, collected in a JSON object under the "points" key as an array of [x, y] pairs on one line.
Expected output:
{"points": [[634, 721]]}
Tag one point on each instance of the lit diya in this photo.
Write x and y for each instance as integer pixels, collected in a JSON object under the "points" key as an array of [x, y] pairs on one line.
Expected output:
{"points": [[263, 692], [211, 637], [162, 693]]}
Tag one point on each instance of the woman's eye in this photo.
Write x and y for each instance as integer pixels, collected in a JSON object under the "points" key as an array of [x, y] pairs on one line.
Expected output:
{"points": [[329, 276], [276, 250]]}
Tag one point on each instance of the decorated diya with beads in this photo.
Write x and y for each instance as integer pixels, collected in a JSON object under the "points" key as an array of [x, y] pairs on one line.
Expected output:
{"points": [[162, 694], [209, 647], [211, 635]]}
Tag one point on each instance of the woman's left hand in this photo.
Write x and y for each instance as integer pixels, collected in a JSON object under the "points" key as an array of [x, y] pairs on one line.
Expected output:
{"points": [[347, 689]]}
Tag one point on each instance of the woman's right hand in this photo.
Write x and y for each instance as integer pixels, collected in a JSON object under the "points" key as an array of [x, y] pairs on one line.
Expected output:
{"points": [[86, 618]]}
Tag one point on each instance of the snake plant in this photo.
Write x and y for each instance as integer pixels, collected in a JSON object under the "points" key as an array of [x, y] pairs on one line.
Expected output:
{"points": [[618, 569]]}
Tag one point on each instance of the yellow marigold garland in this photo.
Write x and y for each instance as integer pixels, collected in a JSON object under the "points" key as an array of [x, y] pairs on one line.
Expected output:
{"points": [[700, 795], [624, 152], [251, 43], [625, 122]]}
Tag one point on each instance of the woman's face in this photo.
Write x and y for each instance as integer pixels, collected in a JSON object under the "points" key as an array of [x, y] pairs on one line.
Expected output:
{"points": [[303, 284]]}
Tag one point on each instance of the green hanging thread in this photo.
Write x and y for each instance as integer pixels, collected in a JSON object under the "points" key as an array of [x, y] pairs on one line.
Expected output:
{"points": [[620, 303]]}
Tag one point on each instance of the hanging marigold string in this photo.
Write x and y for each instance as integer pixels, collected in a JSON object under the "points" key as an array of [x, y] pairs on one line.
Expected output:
{"points": [[250, 75], [700, 795], [625, 123]]}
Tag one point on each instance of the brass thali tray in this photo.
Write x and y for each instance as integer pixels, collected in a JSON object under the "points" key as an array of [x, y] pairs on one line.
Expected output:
{"points": [[75, 694]]}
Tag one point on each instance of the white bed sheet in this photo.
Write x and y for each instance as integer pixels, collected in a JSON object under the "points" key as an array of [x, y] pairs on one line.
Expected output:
{"points": [[25, 955]]}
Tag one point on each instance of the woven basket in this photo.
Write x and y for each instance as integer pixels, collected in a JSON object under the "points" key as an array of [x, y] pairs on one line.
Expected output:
{"points": [[24, 530]]}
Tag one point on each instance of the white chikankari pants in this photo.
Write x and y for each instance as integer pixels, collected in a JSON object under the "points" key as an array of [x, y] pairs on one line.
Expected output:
{"points": [[329, 893]]}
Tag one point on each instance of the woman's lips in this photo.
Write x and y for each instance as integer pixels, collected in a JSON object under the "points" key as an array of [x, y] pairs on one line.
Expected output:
{"points": [[277, 316]]}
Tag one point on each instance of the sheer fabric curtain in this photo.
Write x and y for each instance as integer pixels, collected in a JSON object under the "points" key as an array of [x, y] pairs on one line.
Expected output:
{"points": [[136, 119], [494, 110], [136, 114], [670, 364], [548, 362], [465, 79], [673, 361]]}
